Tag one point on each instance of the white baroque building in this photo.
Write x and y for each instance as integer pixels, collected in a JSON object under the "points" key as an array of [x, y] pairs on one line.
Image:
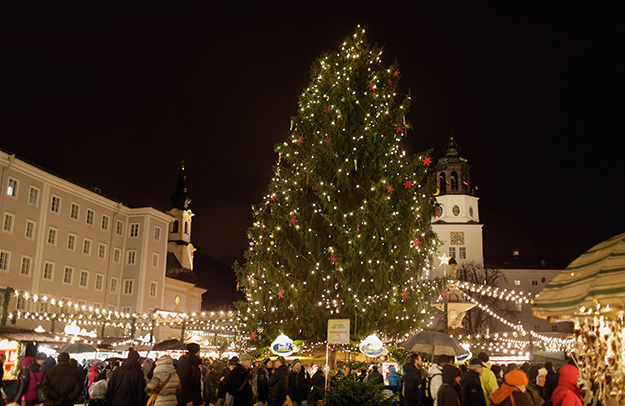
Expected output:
{"points": [[457, 225], [64, 241]]}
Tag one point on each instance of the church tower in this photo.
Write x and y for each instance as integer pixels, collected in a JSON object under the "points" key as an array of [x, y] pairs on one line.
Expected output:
{"points": [[179, 242], [457, 223]]}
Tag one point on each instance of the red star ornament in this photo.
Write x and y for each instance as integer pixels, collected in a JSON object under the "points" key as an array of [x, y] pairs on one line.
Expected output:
{"points": [[329, 140], [300, 139], [372, 86], [390, 189], [427, 161], [273, 198], [327, 110], [407, 184], [405, 293], [281, 293], [253, 336], [332, 259], [396, 73], [293, 220], [415, 242], [400, 128]]}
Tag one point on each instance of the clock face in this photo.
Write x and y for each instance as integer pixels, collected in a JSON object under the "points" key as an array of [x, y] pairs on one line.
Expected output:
{"points": [[455, 210], [457, 238]]}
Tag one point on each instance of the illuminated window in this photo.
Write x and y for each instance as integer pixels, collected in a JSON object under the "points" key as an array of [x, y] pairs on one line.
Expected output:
{"points": [[517, 282], [12, 187]]}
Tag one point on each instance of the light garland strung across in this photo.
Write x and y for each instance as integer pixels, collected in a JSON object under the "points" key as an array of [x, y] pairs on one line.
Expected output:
{"points": [[496, 292], [519, 328]]}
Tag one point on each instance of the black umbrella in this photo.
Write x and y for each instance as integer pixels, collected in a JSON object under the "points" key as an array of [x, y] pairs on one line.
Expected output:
{"points": [[433, 342], [78, 348], [172, 344]]}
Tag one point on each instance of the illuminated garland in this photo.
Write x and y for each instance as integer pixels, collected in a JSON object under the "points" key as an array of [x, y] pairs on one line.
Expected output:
{"points": [[496, 292]]}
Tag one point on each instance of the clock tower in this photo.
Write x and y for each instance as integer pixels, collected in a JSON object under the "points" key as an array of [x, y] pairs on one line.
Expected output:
{"points": [[457, 223]]}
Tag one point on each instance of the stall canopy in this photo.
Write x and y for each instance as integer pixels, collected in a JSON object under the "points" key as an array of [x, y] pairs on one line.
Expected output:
{"points": [[23, 334], [597, 276]]}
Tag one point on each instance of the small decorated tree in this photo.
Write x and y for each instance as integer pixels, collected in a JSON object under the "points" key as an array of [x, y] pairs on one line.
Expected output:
{"points": [[344, 230]]}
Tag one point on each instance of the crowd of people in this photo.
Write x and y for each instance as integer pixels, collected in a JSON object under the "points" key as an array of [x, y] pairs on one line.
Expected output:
{"points": [[248, 382]]}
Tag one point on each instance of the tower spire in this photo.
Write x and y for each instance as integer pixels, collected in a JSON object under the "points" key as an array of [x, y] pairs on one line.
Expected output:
{"points": [[180, 199]]}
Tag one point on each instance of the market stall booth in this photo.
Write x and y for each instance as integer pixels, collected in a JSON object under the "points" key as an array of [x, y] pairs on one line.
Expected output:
{"points": [[591, 293]]}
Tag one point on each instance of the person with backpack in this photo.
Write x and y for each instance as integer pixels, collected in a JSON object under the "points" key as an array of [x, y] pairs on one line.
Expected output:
{"points": [[436, 379], [413, 381], [471, 393], [32, 378], [448, 392]]}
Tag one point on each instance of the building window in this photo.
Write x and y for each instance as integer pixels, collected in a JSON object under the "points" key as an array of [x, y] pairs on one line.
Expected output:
{"points": [[462, 253], [119, 228], [82, 303], [97, 305], [12, 188], [155, 260], [153, 288], [112, 308], [48, 271], [113, 287], [518, 305], [554, 328], [21, 303], [5, 257], [25, 269], [132, 256], [30, 229], [517, 282], [105, 222], [74, 211], [117, 253], [55, 206], [537, 328], [99, 282], [68, 275], [43, 307], [452, 252], [33, 196], [134, 230], [84, 279], [52, 236], [90, 216], [71, 242], [102, 251], [86, 246], [157, 233], [534, 283], [128, 286], [9, 220], [125, 309]]}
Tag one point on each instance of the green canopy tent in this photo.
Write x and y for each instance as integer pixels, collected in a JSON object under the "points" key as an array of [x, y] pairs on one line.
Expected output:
{"points": [[596, 277]]}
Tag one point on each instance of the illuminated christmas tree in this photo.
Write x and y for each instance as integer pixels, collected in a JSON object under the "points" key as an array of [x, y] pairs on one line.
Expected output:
{"points": [[344, 229]]}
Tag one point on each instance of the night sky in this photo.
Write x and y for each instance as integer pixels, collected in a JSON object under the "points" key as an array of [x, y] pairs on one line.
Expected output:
{"points": [[115, 94]]}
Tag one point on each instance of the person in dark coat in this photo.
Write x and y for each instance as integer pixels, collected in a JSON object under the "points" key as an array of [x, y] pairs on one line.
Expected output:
{"points": [[48, 365], [299, 384], [127, 384], [471, 392], [552, 380], [221, 388], [375, 377], [61, 385], [413, 381], [279, 383], [318, 383], [190, 377], [262, 383], [536, 386], [448, 394], [238, 384], [512, 392]]}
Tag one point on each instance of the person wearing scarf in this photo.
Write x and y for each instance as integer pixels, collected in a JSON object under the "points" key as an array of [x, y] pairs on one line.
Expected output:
{"points": [[567, 393], [536, 387], [512, 392]]}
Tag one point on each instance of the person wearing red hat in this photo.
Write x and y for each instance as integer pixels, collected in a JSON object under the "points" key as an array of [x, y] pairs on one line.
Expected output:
{"points": [[512, 392], [567, 393]]}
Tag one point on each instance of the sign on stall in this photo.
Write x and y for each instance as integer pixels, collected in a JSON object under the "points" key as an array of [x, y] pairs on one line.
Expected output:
{"points": [[338, 331]]}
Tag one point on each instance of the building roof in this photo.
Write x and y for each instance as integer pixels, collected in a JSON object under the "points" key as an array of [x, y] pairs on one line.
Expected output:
{"points": [[526, 262], [176, 271]]}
